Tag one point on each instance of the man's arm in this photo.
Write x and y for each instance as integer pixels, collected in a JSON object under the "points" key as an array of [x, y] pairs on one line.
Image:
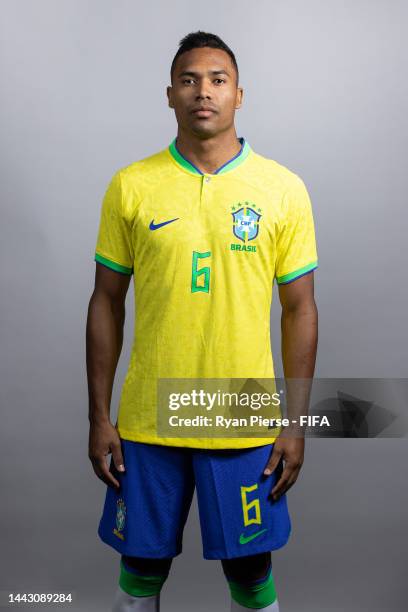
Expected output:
{"points": [[299, 327], [104, 338], [299, 344]]}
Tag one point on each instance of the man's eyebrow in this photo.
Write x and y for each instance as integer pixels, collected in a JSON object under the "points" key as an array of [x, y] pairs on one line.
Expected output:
{"points": [[196, 74]]}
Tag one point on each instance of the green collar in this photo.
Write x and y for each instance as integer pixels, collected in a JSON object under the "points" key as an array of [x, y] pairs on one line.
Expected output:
{"points": [[229, 165]]}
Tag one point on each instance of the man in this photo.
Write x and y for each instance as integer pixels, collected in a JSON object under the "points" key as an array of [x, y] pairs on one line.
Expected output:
{"points": [[205, 226]]}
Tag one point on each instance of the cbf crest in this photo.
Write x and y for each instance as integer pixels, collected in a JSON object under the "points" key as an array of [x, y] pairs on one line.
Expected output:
{"points": [[120, 515], [245, 221]]}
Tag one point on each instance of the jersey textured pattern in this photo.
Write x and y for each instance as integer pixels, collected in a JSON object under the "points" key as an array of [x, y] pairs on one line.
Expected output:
{"points": [[204, 250]]}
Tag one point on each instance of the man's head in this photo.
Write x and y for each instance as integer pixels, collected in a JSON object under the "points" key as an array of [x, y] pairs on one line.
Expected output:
{"points": [[204, 88]]}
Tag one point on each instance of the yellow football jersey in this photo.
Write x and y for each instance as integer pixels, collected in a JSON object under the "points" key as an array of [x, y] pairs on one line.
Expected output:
{"points": [[204, 250]]}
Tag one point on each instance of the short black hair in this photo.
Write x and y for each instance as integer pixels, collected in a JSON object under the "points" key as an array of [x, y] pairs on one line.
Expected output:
{"points": [[196, 40]]}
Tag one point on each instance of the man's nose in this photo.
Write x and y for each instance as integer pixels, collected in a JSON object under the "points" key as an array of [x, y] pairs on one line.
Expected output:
{"points": [[203, 90]]}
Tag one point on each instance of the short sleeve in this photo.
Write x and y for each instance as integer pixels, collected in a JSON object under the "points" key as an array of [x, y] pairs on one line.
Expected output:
{"points": [[114, 243], [296, 243]]}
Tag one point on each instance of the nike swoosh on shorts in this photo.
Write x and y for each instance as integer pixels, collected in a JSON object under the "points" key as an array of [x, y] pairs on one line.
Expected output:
{"points": [[245, 540]]}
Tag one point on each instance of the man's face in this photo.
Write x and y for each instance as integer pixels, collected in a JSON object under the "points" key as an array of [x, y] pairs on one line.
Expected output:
{"points": [[204, 92]]}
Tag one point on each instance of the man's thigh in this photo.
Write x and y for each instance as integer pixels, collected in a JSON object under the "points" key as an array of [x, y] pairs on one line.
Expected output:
{"points": [[146, 517], [238, 516]]}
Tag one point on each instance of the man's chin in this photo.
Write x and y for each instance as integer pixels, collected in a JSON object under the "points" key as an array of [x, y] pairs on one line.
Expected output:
{"points": [[204, 130]]}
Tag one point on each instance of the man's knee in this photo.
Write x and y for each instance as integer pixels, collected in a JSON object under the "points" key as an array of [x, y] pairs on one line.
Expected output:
{"points": [[142, 577], [147, 566], [247, 569]]}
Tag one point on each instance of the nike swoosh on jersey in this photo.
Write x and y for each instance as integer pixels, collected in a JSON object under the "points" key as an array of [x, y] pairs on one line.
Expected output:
{"points": [[152, 226], [245, 540]]}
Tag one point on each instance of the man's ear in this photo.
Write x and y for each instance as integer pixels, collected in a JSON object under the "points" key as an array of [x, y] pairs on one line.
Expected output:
{"points": [[169, 90], [239, 97]]}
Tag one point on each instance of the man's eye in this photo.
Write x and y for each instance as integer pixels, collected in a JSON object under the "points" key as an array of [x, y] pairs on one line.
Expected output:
{"points": [[220, 80], [188, 81]]}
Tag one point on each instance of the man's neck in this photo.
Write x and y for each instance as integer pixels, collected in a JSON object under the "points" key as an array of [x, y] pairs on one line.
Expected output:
{"points": [[211, 153]]}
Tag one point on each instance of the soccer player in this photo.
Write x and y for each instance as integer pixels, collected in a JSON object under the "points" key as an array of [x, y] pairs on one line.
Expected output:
{"points": [[204, 226]]}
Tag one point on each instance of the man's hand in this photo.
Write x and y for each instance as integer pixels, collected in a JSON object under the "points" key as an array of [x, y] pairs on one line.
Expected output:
{"points": [[291, 449], [104, 439]]}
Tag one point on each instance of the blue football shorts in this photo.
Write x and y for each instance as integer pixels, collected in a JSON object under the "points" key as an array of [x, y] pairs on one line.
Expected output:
{"points": [[238, 517]]}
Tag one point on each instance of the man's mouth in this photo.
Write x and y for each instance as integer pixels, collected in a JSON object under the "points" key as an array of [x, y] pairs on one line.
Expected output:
{"points": [[203, 112]]}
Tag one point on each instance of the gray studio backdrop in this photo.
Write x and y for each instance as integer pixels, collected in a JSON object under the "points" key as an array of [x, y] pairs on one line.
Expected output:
{"points": [[83, 94]]}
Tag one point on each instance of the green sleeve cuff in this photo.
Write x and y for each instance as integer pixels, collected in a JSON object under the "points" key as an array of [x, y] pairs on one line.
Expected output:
{"points": [[112, 264], [287, 278]]}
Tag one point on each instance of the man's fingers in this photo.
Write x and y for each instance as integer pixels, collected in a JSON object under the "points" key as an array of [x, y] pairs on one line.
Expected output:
{"points": [[288, 478], [117, 456], [273, 461], [102, 471], [281, 482]]}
